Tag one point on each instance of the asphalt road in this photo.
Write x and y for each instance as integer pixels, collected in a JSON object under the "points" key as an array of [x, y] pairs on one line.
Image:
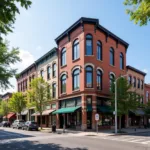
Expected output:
{"points": [[13, 139]]}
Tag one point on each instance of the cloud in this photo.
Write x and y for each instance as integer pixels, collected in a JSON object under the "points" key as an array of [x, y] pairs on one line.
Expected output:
{"points": [[27, 59], [145, 70]]}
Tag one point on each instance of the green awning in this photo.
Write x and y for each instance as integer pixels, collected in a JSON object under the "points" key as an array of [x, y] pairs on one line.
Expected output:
{"points": [[138, 112], [66, 110], [89, 108], [105, 109]]}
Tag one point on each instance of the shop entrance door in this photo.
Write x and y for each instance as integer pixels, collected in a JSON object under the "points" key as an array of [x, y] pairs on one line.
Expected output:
{"points": [[61, 120], [89, 120]]}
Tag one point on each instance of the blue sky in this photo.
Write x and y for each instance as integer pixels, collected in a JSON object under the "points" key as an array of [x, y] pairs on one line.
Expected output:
{"points": [[36, 29]]}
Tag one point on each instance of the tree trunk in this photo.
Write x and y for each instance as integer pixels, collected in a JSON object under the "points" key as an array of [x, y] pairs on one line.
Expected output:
{"points": [[120, 122], [41, 120]]}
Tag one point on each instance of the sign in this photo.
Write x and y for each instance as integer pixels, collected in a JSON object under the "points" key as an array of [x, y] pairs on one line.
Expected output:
{"points": [[114, 112], [96, 117]]}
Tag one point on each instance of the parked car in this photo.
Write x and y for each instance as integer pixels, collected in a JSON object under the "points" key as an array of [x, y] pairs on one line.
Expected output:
{"points": [[30, 125], [5, 124], [18, 124]]}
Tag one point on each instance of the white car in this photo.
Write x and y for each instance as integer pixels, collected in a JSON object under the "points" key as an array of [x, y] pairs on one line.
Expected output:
{"points": [[18, 124]]}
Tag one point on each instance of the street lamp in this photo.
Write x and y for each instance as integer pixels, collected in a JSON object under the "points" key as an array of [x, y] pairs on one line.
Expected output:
{"points": [[116, 101]]}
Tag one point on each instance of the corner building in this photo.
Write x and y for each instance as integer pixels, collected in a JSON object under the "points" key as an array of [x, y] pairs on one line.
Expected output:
{"points": [[89, 57]]}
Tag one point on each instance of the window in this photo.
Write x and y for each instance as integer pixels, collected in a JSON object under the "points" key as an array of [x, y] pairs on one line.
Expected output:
{"points": [[142, 87], [138, 83], [54, 90], [53, 106], [54, 70], [48, 72], [89, 100], [147, 96], [99, 79], [134, 82], [76, 79], [63, 83], [42, 73], [89, 77], [121, 61], [89, 46], [76, 50], [111, 79], [63, 57], [99, 50], [130, 80], [112, 56]]}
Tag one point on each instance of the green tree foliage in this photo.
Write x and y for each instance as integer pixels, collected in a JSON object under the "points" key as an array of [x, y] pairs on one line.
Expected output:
{"points": [[4, 108], [126, 100], [39, 95], [8, 11], [139, 11], [7, 58], [147, 108], [17, 102]]}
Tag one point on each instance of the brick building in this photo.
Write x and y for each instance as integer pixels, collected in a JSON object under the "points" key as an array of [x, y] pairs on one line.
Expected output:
{"points": [[89, 57], [136, 78], [11, 116]]}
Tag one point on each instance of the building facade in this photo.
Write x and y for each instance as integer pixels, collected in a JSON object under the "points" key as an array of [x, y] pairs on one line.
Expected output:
{"points": [[89, 57], [46, 67], [136, 79]]}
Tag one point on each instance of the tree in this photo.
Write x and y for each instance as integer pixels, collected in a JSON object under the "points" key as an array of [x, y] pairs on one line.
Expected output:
{"points": [[126, 99], [139, 11], [17, 103], [8, 11], [7, 58], [4, 108], [39, 95]]}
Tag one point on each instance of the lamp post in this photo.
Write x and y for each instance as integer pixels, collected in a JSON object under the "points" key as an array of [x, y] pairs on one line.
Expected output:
{"points": [[116, 102]]}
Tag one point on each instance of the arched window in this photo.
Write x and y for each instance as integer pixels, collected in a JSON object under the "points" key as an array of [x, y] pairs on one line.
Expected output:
{"points": [[112, 56], [42, 73], [89, 45], [76, 79], [147, 96], [138, 83], [76, 50], [48, 72], [54, 70], [129, 79], [63, 57], [99, 79], [54, 90], [99, 50], [48, 91], [134, 82], [89, 77], [111, 79], [63, 83], [121, 61]]}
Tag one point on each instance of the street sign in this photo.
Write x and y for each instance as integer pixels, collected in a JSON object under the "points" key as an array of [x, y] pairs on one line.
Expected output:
{"points": [[96, 117]]}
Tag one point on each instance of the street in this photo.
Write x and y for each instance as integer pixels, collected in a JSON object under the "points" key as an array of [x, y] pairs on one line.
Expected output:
{"points": [[31, 140]]}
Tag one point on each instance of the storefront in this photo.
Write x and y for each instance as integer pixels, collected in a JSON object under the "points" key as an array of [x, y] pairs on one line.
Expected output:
{"points": [[70, 113], [136, 118], [46, 118], [10, 117], [24, 115], [105, 111]]}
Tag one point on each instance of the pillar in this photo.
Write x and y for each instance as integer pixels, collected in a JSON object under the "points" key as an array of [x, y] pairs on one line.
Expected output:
{"points": [[126, 121], [94, 111], [84, 113], [57, 116]]}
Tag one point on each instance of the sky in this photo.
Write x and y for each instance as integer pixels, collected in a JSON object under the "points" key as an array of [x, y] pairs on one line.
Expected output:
{"points": [[35, 29]]}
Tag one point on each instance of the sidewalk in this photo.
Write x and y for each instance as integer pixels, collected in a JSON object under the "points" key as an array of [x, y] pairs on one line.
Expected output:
{"points": [[100, 133]]}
